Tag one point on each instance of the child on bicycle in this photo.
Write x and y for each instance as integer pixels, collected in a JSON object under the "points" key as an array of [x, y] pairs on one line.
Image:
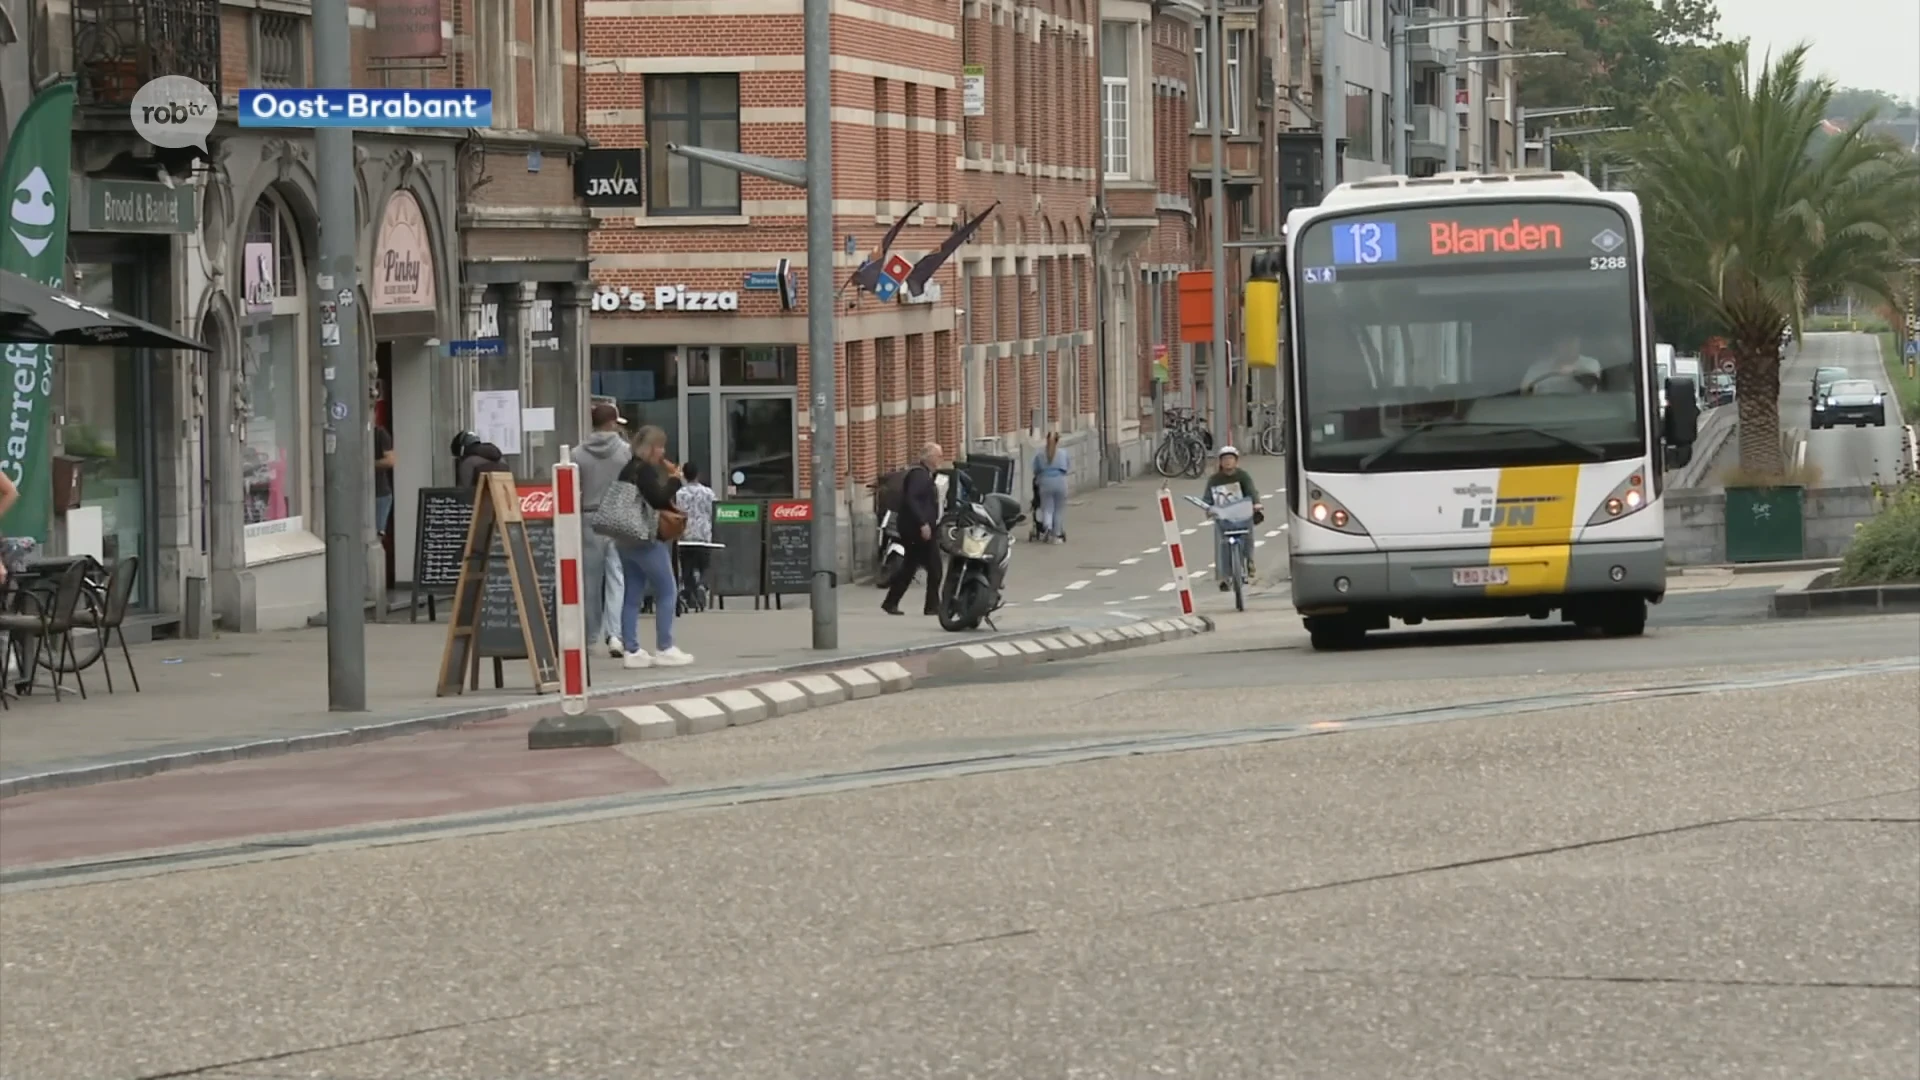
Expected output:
{"points": [[1230, 483]]}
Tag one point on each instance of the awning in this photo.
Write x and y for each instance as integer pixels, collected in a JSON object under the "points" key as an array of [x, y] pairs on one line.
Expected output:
{"points": [[33, 314]]}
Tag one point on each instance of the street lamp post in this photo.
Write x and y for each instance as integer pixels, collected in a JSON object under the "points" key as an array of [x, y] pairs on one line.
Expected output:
{"points": [[1217, 226], [1401, 30], [1459, 62], [1546, 141], [815, 175]]}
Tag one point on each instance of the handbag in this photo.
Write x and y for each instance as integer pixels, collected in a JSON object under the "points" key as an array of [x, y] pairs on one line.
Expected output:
{"points": [[670, 525], [624, 517]]}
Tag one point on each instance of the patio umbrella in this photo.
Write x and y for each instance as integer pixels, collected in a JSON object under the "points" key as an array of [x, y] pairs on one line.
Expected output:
{"points": [[33, 314]]}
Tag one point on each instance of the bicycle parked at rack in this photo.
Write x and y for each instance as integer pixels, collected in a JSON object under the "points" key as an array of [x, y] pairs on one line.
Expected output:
{"points": [[1185, 443], [1271, 437]]}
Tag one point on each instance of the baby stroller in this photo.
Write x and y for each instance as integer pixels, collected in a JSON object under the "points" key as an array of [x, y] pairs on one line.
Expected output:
{"points": [[1037, 532]]}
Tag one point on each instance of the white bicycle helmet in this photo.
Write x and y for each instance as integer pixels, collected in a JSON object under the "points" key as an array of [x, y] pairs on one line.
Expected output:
{"points": [[1225, 450]]}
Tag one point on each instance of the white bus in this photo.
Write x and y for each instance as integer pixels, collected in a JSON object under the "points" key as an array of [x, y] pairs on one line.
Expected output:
{"points": [[1475, 426]]}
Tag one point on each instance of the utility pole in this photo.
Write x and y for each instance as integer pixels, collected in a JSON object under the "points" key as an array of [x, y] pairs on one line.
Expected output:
{"points": [[1397, 122], [1333, 109], [344, 429], [817, 51], [1217, 227]]}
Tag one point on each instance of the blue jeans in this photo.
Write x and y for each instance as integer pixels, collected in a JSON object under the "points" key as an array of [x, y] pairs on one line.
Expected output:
{"points": [[382, 513], [1053, 505], [648, 568]]}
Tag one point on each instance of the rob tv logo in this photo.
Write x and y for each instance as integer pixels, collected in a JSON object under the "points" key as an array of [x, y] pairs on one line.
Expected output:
{"points": [[174, 111]]}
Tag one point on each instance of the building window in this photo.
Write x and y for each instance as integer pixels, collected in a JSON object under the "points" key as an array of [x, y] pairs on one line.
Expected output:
{"points": [[549, 86], [1116, 98], [1358, 17], [273, 444], [1359, 123], [1388, 130], [279, 50], [1239, 49], [495, 31], [692, 110], [1202, 81]]}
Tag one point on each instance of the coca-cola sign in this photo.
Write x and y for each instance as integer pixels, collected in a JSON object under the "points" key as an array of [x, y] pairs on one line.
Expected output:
{"points": [[790, 511], [536, 500]]}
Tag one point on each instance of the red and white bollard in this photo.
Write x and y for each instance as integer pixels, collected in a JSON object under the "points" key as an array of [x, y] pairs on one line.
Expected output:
{"points": [[567, 590], [1175, 553]]}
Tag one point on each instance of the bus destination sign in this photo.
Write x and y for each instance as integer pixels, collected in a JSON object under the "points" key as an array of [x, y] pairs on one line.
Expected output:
{"points": [[1493, 232]]}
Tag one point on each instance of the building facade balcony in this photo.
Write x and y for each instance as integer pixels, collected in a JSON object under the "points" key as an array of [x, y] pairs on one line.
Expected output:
{"points": [[1429, 49], [1427, 141], [120, 45]]}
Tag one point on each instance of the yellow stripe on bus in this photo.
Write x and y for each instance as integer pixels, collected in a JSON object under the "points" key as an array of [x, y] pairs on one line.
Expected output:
{"points": [[1533, 528]]}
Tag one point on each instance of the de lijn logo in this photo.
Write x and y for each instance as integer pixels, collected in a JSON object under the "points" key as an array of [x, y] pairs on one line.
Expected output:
{"points": [[174, 111], [366, 108]]}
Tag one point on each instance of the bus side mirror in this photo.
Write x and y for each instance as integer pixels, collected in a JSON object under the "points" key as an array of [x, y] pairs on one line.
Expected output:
{"points": [[1681, 424]]}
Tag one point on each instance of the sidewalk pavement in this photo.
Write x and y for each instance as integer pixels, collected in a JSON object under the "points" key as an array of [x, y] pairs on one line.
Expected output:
{"points": [[212, 698]]}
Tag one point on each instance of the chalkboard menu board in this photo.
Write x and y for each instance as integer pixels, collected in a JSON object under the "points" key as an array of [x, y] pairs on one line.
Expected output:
{"points": [[499, 626], [735, 569], [789, 548], [438, 540]]}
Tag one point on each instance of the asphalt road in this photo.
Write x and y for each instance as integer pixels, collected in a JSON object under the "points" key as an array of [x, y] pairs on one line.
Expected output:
{"points": [[1845, 456], [1483, 855]]}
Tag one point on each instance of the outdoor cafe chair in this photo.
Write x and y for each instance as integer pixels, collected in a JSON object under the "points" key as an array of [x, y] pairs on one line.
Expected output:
{"points": [[46, 632], [109, 620]]}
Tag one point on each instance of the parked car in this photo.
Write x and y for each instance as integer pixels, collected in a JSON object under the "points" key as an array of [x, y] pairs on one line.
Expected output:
{"points": [[1851, 401], [1719, 390], [1824, 377]]}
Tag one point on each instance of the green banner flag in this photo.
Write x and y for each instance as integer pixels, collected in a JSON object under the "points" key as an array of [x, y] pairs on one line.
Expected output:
{"points": [[36, 180]]}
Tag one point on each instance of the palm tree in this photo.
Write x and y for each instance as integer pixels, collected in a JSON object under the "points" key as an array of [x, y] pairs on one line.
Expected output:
{"points": [[1752, 215]]}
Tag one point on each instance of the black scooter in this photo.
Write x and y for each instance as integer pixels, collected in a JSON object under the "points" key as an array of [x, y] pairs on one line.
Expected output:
{"points": [[977, 540]]}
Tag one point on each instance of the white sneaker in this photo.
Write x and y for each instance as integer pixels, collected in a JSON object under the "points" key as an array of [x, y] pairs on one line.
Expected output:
{"points": [[672, 657], [636, 659], [613, 648]]}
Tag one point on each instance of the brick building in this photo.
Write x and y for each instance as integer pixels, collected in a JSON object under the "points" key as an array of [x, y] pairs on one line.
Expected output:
{"points": [[208, 467]]}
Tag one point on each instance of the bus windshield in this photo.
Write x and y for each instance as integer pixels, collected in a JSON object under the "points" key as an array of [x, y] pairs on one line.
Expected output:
{"points": [[1464, 336]]}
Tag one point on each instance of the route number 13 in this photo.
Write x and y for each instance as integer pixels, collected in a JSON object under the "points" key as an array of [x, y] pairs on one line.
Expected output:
{"points": [[1365, 243]]}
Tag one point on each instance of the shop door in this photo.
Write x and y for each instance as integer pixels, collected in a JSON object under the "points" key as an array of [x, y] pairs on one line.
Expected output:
{"points": [[758, 456]]}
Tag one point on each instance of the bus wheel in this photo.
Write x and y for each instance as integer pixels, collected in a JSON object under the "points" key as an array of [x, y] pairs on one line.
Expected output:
{"points": [[1624, 618], [1330, 633]]}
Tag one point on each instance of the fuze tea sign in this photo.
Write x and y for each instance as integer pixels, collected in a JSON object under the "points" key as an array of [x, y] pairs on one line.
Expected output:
{"points": [[736, 513]]}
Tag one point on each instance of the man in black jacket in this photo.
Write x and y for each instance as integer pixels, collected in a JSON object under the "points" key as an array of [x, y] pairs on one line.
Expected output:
{"points": [[919, 515]]}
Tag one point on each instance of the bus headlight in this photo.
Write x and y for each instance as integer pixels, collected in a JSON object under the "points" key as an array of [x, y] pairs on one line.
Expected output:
{"points": [[1628, 497], [1325, 511]]}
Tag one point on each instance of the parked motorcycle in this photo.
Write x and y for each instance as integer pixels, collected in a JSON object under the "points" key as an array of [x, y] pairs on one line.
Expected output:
{"points": [[977, 540]]}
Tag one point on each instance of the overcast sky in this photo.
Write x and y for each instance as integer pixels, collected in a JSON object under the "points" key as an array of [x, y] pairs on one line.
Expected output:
{"points": [[1874, 44]]}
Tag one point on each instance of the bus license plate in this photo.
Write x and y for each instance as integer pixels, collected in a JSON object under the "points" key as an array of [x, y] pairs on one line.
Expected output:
{"points": [[1468, 576]]}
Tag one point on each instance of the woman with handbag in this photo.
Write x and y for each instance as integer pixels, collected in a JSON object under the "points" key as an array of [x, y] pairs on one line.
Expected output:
{"points": [[637, 513]]}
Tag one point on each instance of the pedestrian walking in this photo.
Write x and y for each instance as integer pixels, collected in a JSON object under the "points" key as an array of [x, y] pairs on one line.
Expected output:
{"points": [[919, 516], [1051, 466], [648, 564], [603, 454]]}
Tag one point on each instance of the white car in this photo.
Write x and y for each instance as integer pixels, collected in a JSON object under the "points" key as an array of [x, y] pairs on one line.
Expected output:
{"points": [[1851, 401]]}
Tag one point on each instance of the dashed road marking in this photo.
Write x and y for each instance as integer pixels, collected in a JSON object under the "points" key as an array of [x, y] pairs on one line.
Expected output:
{"points": [[1138, 598], [1188, 532], [1272, 532], [1108, 572], [1135, 561], [1259, 543], [1111, 603], [1151, 551], [1044, 599], [1168, 587], [1075, 586]]}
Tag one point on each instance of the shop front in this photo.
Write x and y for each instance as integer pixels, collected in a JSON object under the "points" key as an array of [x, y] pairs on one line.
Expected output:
{"points": [[404, 290], [267, 312], [522, 348], [725, 388], [115, 404]]}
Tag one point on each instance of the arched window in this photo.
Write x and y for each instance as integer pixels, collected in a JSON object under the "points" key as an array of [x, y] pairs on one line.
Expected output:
{"points": [[274, 452]]}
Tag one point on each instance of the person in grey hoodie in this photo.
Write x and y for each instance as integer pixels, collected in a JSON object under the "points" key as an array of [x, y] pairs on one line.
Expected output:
{"points": [[602, 454]]}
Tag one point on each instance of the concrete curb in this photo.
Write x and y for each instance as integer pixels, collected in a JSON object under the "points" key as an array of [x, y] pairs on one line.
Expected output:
{"points": [[604, 698], [1799, 599], [787, 697]]}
